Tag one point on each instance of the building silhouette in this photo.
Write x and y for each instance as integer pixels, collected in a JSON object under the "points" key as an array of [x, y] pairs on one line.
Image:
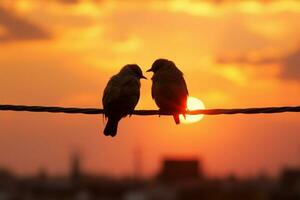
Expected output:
{"points": [[75, 167], [174, 169]]}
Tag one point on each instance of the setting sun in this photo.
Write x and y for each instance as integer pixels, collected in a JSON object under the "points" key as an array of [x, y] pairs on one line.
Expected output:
{"points": [[193, 104]]}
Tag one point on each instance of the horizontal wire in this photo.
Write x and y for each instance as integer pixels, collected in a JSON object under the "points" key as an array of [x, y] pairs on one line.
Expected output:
{"points": [[70, 110]]}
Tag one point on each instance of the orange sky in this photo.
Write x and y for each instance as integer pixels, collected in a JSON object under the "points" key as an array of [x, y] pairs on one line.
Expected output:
{"points": [[62, 52]]}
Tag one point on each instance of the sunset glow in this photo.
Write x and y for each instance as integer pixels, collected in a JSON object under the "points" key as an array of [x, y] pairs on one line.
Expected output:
{"points": [[193, 104]]}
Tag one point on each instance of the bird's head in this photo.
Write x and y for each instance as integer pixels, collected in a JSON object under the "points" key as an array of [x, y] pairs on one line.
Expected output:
{"points": [[159, 64], [133, 69]]}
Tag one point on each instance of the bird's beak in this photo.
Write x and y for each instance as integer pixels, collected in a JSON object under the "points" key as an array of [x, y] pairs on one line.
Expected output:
{"points": [[149, 70], [143, 77]]}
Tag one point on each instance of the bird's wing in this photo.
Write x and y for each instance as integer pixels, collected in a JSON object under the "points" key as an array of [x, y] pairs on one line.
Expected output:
{"points": [[130, 92], [184, 86], [111, 92], [121, 95], [179, 90], [170, 91]]}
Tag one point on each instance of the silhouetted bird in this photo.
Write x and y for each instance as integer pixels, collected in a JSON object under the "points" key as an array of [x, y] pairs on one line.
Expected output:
{"points": [[121, 95], [169, 89]]}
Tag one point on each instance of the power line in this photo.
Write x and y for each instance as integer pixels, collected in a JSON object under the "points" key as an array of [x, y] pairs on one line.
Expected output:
{"points": [[70, 110]]}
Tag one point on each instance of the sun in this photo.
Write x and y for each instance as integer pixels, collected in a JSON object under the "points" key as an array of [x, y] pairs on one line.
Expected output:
{"points": [[193, 104]]}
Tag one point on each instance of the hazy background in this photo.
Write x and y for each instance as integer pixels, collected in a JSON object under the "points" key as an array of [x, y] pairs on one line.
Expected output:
{"points": [[233, 54]]}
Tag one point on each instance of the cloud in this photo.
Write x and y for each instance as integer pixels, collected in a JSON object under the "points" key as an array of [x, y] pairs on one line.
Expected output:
{"points": [[290, 63], [69, 1], [291, 66], [17, 28], [246, 60], [72, 2]]}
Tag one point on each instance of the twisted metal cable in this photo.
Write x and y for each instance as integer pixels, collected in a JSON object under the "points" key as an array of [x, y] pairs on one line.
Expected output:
{"points": [[264, 110]]}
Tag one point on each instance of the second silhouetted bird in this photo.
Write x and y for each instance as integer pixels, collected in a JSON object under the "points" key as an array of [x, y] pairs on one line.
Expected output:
{"points": [[121, 95], [169, 89]]}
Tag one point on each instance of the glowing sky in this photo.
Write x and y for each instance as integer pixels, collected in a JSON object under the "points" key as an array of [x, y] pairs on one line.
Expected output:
{"points": [[62, 52]]}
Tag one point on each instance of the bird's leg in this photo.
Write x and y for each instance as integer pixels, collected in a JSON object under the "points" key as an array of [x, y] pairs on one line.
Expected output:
{"points": [[159, 112], [131, 112], [184, 114]]}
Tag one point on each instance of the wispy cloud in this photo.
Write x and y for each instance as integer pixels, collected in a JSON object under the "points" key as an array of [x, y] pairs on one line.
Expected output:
{"points": [[17, 28], [69, 1], [289, 64]]}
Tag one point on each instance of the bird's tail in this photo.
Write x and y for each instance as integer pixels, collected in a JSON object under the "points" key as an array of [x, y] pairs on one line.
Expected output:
{"points": [[111, 127], [176, 118]]}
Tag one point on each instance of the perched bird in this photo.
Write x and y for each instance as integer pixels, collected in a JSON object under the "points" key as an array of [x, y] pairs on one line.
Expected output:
{"points": [[169, 89], [120, 96]]}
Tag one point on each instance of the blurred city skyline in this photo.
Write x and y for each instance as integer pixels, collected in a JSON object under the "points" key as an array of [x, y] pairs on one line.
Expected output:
{"points": [[233, 54]]}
